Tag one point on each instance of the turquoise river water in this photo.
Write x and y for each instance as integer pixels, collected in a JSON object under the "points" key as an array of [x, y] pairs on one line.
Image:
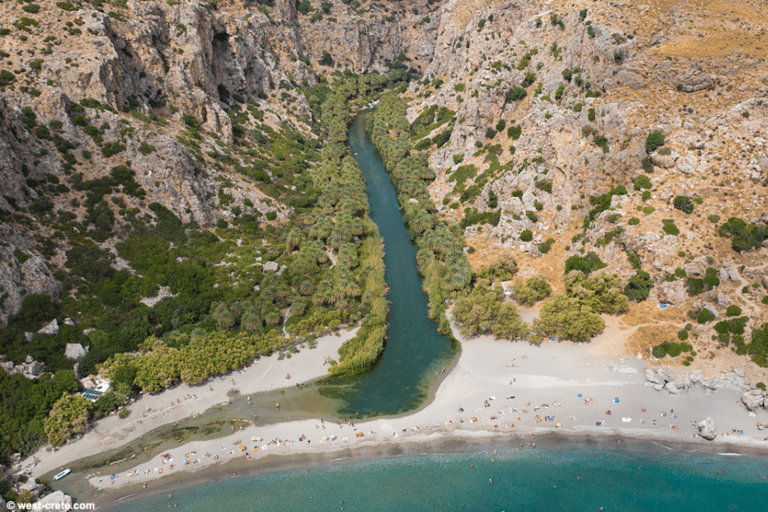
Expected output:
{"points": [[554, 477]]}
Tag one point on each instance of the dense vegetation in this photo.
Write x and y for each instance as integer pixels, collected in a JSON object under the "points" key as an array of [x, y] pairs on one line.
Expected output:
{"points": [[440, 253], [223, 308]]}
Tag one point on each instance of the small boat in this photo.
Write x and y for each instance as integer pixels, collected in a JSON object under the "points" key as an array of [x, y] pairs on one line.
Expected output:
{"points": [[61, 475]]}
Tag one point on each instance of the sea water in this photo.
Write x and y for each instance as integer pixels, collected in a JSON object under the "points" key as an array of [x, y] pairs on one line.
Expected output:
{"points": [[573, 477]]}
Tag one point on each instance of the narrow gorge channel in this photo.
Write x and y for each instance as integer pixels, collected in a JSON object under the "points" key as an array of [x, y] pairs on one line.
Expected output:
{"points": [[415, 352]]}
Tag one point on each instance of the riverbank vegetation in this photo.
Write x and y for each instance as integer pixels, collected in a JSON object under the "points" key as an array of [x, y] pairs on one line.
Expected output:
{"points": [[182, 302], [440, 249]]}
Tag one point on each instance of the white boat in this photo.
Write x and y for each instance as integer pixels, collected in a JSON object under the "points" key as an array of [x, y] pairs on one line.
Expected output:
{"points": [[62, 474]]}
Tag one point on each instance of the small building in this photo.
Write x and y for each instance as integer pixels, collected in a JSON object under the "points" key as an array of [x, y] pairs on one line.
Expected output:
{"points": [[95, 393]]}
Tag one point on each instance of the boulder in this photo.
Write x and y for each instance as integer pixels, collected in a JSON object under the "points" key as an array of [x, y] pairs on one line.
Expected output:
{"points": [[707, 429], [672, 293], [51, 328], [712, 310], [753, 399], [69, 322], [74, 351], [664, 161], [271, 266], [694, 81], [55, 501], [722, 300]]}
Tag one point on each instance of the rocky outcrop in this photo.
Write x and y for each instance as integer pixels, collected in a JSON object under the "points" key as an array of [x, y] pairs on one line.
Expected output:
{"points": [[667, 380], [19, 279], [30, 368], [695, 80], [753, 399]]}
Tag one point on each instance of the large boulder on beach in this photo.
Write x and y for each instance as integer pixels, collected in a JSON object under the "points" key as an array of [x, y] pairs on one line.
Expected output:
{"points": [[753, 399], [707, 429]]}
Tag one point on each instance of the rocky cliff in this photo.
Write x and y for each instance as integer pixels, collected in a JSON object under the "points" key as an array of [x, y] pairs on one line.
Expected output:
{"points": [[153, 85]]}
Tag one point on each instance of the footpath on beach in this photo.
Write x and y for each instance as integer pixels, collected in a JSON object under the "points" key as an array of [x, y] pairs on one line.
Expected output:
{"points": [[496, 388]]}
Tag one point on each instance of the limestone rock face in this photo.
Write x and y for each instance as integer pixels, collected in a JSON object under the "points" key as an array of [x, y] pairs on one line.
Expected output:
{"points": [[17, 280]]}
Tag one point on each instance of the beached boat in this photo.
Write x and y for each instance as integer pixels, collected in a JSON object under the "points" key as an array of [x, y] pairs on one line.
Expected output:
{"points": [[61, 475]]}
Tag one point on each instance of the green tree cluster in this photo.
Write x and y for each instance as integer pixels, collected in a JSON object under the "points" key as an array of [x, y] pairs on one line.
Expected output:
{"points": [[532, 290], [744, 237], [68, 417], [567, 318], [602, 292], [483, 311]]}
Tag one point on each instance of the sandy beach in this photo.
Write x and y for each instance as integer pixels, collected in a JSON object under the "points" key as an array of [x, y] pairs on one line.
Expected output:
{"points": [[152, 411], [497, 388]]}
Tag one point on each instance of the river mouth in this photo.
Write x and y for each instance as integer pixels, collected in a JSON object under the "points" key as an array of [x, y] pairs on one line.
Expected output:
{"points": [[405, 378]]}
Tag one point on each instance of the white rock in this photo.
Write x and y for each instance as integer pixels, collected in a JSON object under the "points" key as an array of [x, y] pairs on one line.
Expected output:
{"points": [[51, 328], [74, 351]]}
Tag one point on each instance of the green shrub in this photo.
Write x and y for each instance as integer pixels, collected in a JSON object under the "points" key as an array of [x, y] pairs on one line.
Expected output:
{"points": [[634, 221], [713, 218], [591, 114], [6, 78], [733, 310], [683, 203], [654, 140], [526, 235], [744, 236], [271, 215], [514, 132], [586, 264], [67, 6], [765, 300], [682, 335], [647, 164], [705, 316], [528, 80], [669, 227], [639, 286], [642, 182], [544, 247], [516, 93], [31, 8]]}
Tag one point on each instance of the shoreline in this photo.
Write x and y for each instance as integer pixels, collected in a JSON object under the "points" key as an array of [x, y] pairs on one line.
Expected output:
{"points": [[556, 390], [153, 411], [300, 462]]}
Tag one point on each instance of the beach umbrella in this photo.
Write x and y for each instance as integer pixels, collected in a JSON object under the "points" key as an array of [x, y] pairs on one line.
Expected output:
{"points": [[243, 448]]}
